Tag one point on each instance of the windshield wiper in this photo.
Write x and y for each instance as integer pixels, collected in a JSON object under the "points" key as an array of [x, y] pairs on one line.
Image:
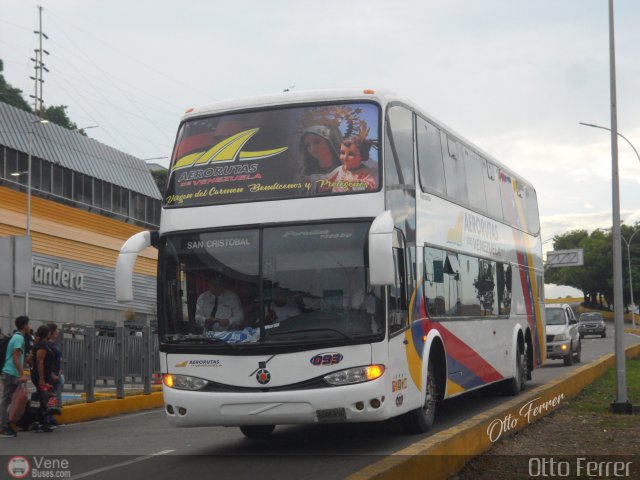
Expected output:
{"points": [[325, 329]]}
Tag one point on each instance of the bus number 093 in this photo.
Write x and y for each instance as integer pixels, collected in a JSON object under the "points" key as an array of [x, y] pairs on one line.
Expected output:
{"points": [[326, 359]]}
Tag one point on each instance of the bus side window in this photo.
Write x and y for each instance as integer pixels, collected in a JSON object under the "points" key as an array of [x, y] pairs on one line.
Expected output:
{"points": [[397, 294], [399, 151], [492, 190], [430, 163], [504, 288], [474, 166], [454, 172]]}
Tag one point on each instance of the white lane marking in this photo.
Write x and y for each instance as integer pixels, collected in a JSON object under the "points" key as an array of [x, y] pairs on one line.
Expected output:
{"points": [[121, 464]]}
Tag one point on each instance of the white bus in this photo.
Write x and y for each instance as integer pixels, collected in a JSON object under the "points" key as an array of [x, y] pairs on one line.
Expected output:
{"points": [[338, 256]]}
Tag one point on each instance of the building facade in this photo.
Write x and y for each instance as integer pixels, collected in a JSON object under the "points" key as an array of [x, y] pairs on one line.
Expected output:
{"points": [[86, 200]]}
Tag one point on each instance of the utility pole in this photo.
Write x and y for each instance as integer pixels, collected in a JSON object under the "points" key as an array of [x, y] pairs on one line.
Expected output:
{"points": [[621, 403], [39, 68]]}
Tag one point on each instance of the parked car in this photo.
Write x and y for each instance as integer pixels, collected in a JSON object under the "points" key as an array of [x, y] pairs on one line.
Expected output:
{"points": [[563, 339], [592, 323]]}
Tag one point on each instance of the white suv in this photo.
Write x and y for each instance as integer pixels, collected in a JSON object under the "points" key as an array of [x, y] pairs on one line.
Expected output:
{"points": [[563, 338]]}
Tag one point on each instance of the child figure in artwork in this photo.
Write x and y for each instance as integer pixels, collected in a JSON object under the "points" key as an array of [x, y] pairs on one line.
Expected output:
{"points": [[354, 175]]}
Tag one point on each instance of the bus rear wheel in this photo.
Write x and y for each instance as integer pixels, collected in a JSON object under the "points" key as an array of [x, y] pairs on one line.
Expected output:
{"points": [[421, 419], [518, 382], [257, 431]]}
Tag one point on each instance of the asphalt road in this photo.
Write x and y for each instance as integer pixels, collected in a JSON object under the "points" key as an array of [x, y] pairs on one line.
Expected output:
{"points": [[143, 445]]}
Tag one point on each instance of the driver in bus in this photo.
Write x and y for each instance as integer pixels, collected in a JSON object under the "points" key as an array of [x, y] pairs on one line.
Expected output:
{"points": [[218, 309]]}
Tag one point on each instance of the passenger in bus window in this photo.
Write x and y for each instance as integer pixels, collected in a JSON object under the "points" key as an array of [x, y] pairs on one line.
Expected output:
{"points": [[320, 145], [440, 307], [365, 301], [219, 309], [352, 175], [281, 307]]}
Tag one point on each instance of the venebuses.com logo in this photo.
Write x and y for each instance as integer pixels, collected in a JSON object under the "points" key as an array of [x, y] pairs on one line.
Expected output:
{"points": [[18, 467], [38, 467]]}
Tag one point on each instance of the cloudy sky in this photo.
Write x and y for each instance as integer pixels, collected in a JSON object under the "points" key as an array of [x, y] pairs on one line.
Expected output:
{"points": [[513, 76]]}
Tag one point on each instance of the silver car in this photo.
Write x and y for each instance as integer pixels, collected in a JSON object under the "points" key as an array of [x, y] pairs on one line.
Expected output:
{"points": [[563, 339], [592, 323]]}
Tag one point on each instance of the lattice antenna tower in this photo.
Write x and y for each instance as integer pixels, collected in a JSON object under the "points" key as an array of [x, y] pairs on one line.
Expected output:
{"points": [[39, 67]]}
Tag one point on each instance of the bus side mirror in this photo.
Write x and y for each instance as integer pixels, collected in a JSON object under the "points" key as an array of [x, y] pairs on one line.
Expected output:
{"points": [[381, 268], [127, 259]]}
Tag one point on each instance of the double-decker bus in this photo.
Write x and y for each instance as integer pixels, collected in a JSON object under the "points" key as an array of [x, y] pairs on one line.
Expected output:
{"points": [[338, 256]]}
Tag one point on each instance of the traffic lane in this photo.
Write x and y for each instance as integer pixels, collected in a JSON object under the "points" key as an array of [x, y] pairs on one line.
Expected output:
{"points": [[593, 348], [315, 451], [149, 432], [141, 446]]}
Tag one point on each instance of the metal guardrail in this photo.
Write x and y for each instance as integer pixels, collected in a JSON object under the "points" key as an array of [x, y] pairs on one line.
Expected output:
{"points": [[127, 357]]}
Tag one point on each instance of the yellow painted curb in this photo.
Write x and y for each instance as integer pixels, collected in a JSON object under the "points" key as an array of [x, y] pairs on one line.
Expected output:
{"points": [[443, 454], [107, 408]]}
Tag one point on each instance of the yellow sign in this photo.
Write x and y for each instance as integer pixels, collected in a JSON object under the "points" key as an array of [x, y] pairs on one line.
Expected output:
{"points": [[228, 150]]}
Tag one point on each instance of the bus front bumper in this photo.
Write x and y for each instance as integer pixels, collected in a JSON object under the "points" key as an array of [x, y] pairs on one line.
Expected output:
{"points": [[351, 403]]}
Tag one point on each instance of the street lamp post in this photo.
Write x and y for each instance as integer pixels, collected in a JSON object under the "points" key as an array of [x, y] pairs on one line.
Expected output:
{"points": [[619, 134], [153, 158], [28, 172], [627, 243], [621, 403], [633, 305]]}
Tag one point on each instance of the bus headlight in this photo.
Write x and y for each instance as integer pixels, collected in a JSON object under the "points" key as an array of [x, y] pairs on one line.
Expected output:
{"points": [[183, 382], [355, 375]]}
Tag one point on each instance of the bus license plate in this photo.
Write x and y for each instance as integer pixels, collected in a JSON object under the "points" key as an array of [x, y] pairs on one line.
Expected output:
{"points": [[332, 415]]}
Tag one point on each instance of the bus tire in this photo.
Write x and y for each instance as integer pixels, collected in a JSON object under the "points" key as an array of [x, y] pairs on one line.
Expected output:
{"points": [[517, 383], [421, 419], [257, 431]]}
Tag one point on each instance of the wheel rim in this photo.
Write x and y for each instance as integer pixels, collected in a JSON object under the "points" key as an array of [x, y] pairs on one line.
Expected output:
{"points": [[429, 398], [520, 368]]}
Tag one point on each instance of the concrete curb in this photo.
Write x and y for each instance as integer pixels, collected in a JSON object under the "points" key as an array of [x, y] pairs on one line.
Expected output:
{"points": [[106, 408], [445, 453]]}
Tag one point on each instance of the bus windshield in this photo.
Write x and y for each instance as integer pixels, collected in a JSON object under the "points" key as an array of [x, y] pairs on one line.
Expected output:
{"points": [[278, 285], [275, 154]]}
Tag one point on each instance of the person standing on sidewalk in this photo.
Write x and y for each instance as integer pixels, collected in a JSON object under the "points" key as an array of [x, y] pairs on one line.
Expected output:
{"points": [[57, 365], [12, 372], [43, 377]]}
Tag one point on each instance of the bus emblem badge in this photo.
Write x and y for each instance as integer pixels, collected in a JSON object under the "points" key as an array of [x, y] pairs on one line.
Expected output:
{"points": [[263, 376]]}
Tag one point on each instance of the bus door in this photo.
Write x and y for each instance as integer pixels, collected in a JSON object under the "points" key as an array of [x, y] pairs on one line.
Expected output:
{"points": [[398, 322]]}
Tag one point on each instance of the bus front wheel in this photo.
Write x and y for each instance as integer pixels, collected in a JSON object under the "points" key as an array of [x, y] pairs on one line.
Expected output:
{"points": [[257, 431], [421, 419]]}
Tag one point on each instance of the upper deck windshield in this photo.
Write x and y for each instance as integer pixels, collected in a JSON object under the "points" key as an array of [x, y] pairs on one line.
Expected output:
{"points": [[275, 154], [287, 285]]}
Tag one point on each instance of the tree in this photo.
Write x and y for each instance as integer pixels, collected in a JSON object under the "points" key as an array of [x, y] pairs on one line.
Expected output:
{"points": [[634, 250], [595, 277], [160, 177], [56, 113], [11, 95]]}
